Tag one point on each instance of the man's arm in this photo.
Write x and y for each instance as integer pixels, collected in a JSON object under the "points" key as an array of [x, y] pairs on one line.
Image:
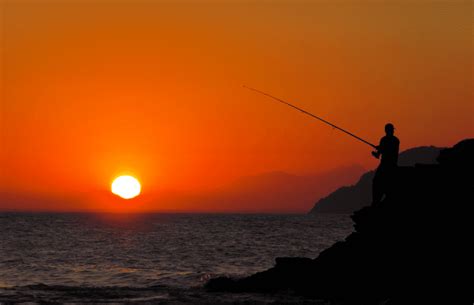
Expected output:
{"points": [[378, 150]]}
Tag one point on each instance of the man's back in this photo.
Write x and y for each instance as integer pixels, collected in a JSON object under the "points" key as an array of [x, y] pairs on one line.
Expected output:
{"points": [[383, 178], [389, 146]]}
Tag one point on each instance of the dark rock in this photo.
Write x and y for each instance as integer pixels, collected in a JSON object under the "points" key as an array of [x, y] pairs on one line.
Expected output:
{"points": [[412, 248]]}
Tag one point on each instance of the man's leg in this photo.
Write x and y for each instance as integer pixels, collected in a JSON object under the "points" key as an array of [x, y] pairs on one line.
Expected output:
{"points": [[390, 180], [377, 187]]}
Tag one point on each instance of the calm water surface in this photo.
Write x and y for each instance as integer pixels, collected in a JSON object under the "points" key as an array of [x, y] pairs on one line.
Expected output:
{"points": [[48, 252]]}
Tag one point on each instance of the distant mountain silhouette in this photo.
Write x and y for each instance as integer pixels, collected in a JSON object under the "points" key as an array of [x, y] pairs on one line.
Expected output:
{"points": [[267, 192], [414, 247], [26, 202], [347, 199], [280, 191]]}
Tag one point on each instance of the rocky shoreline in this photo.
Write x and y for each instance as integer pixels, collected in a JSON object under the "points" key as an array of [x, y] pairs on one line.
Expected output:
{"points": [[413, 247]]}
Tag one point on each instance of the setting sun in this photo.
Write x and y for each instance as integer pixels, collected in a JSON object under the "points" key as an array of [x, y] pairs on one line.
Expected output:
{"points": [[126, 187]]}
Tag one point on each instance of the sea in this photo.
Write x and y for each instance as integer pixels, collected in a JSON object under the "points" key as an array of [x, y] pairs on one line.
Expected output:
{"points": [[79, 258]]}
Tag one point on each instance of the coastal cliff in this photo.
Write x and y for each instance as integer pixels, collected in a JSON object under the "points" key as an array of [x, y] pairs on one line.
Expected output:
{"points": [[348, 199], [415, 246]]}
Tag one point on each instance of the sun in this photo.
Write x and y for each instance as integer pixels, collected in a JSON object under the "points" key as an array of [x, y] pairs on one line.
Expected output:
{"points": [[126, 187]]}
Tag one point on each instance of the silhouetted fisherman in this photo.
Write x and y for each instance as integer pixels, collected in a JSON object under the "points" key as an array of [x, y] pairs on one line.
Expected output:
{"points": [[384, 176]]}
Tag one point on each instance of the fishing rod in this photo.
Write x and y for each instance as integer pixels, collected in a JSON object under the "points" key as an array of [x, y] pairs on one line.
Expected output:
{"points": [[312, 115]]}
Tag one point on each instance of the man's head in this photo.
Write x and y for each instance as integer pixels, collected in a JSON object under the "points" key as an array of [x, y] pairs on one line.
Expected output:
{"points": [[389, 129]]}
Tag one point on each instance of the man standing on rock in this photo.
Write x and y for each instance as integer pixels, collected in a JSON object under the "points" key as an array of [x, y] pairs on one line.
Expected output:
{"points": [[384, 176]]}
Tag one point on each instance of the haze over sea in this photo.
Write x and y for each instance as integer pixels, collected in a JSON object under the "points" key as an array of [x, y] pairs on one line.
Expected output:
{"points": [[142, 257]]}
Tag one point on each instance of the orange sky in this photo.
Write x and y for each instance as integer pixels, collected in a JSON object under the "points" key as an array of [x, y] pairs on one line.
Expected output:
{"points": [[93, 89]]}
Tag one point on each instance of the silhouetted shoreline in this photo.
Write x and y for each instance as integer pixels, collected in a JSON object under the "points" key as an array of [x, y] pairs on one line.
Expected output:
{"points": [[413, 247]]}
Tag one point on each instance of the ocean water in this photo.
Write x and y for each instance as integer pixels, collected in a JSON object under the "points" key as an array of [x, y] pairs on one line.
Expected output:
{"points": [[150, 258]]}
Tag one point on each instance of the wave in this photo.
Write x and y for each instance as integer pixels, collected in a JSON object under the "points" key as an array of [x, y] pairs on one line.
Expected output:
{"points": [[156, 294], [83, 294]]}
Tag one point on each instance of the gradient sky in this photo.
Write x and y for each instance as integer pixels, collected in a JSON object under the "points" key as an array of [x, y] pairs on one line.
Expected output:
{"points": [[94, 89]]}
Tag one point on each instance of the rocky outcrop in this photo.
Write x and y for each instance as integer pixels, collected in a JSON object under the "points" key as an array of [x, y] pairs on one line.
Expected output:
{"points": [[412, 248], [348, 199]]}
